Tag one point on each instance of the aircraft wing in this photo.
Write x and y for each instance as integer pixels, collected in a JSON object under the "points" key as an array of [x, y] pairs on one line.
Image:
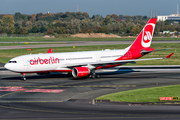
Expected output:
{"points": [[102, 63]]}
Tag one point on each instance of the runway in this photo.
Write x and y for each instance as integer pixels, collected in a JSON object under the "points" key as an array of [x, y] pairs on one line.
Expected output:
{"points": [[56, 96]]}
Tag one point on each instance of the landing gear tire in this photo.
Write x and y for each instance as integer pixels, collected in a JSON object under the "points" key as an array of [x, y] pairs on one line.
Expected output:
{"points": [[94, 76], [98, 76], [23, 76]]}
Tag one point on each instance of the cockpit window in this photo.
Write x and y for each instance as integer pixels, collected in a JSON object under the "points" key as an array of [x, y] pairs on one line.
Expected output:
{"points": [[12, 61]]}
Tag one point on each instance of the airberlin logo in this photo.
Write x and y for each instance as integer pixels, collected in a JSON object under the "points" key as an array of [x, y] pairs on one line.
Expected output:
{"points": [[40, 61], [147, 37]]}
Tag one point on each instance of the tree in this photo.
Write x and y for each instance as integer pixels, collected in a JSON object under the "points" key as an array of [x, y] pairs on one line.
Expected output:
{"points": [[43, 29], [114, 16], [21, 30], [136, 30], [93, 17], [86, 14], [62, 30], [35, 29], [19, 16], [41, 23], [50, 31], [28, 25], [8, 23], [145, 17], [38, 16], [107, 20], [128, 19], [33, 18], [102, 30], [18, 23], [1, 29]]}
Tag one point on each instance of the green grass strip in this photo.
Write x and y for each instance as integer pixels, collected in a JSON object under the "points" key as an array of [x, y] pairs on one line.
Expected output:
{"points": [[143, 95], [22, 44]]}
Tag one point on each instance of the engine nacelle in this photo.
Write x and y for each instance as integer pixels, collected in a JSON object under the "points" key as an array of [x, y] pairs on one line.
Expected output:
{"points": [[80, 72]]}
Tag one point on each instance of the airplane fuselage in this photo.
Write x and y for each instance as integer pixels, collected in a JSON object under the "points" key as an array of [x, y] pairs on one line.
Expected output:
{"points": [[56, 62]]}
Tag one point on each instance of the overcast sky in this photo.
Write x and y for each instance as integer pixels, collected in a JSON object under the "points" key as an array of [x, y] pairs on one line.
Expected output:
{"points": [[92, 7]]}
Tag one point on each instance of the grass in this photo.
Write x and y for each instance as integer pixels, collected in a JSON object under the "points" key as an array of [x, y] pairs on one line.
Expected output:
{"points": [[144, 95], [20, 44], [33, 39], [6, 55]]}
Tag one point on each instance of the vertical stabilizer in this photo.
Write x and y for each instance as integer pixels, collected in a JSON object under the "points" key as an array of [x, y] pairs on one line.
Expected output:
{"points": [[145, 37]]}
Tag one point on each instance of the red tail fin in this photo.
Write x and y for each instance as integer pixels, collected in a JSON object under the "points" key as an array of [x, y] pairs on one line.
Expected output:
{"points": [[145, 37]]}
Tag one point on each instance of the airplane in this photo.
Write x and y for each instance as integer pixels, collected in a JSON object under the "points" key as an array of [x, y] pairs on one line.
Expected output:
{"points": [[84, 64]]}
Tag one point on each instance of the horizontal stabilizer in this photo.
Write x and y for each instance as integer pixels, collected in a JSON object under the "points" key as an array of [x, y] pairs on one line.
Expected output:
{"points": [[169, 55], [146, 52]]}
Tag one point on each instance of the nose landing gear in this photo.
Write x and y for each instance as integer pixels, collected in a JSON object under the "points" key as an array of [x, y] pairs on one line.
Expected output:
{"points": [[23, 76]]}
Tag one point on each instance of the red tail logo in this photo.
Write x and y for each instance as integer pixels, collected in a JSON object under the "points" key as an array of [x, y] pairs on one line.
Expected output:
{"points": [[147, 35]]}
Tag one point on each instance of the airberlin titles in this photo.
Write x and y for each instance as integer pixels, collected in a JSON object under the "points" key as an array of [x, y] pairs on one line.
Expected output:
{"points": [[40, 61]]}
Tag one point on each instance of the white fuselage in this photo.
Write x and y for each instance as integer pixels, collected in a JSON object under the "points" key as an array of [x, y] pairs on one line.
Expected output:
{"points": [[57, 62]]}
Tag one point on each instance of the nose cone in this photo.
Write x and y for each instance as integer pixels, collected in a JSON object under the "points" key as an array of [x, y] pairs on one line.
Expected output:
{"points": [[7, 66], [10, 67]]}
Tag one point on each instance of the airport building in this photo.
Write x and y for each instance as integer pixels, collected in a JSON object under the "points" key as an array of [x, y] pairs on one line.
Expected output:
{"points": [[173, 17]]}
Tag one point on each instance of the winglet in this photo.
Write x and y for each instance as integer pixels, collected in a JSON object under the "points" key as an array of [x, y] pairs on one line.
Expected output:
{"points": [[50, 50], [169, 55]]}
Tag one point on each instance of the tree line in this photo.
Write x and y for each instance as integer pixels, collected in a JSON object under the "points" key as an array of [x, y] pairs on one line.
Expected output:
{"points": [[77, 22]]}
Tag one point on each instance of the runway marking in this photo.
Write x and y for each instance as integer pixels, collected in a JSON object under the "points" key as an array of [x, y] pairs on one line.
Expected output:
{"points": [[98, 86], [59, 85], [15, 89], [45, 90], [28, 101]]}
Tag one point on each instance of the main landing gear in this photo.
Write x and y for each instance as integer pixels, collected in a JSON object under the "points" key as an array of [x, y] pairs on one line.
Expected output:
{"points": [[23, 76], [93, 75]]}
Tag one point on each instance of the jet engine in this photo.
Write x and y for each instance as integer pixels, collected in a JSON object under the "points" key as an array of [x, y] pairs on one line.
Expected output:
{"points": [[80, 72]]}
